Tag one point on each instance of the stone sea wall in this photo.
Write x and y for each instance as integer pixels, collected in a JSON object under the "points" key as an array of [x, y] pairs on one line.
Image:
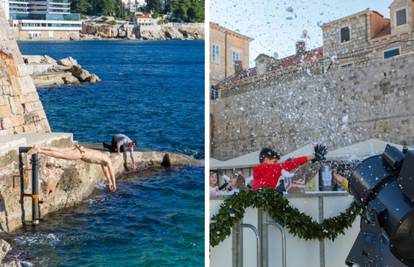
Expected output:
{"points": [[338, 108], [20, 108], [62, 183]]}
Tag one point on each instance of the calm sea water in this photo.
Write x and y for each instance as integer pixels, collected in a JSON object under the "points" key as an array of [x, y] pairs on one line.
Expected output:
{"points": [[153, 92]]}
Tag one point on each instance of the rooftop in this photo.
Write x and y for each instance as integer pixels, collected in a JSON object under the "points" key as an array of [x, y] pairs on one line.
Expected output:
{"points": [[278, 64], [224, 29], [143, 17], [363, 12]]}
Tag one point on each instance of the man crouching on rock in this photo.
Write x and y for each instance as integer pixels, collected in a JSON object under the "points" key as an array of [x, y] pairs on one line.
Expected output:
{"points": [[121, 142], [78, 152]]}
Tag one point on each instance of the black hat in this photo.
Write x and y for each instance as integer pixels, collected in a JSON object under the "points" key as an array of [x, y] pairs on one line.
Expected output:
{"points": [[268, 153]]}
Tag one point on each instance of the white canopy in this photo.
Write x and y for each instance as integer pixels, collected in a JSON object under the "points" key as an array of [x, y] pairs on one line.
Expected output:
{"points": [[245, 161], [360, 150], [215, 163]]}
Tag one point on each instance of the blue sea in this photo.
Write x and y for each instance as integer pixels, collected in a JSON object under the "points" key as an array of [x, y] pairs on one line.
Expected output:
{"points": [[154, 93]]}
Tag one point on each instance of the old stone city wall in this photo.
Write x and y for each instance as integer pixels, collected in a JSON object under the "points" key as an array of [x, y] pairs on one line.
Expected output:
{"points": [[338, 108], [20, 108]]}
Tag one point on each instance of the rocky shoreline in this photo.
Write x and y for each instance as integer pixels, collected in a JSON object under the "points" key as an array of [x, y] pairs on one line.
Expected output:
{"points": [[47, 72], [5, 247], [92, 30]]}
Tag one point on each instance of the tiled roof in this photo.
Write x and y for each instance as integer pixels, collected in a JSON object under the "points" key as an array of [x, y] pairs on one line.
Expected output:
{"points": [[242, 74], [293, 60], [313, 54], [224, 29]]}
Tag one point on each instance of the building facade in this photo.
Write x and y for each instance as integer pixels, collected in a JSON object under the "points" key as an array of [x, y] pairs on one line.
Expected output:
{"points": [[229, 50], [134, 5], [49, 19], [4, 5], [368, 35], [356, 40], [145, 20]]}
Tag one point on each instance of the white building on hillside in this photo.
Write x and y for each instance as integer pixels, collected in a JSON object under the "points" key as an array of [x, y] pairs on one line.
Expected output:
{"points": [[4, 4], [134, 5], [44, 19], [145, 20]]}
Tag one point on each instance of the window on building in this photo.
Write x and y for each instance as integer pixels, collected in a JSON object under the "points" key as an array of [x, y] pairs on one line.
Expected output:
{"points": [[345, 34], [401, 17], [214, 93], [236, 57], [215, 55], [391, 53]]}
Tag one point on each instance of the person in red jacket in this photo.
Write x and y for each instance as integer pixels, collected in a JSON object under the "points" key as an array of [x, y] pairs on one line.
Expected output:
{"points": [[267, 174]]}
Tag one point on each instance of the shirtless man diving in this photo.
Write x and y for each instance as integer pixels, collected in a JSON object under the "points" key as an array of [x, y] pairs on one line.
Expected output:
{"points": [[78, 152]]}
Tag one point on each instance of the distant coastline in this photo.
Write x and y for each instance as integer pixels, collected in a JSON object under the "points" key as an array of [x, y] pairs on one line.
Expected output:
{"points": [[124, 30]]}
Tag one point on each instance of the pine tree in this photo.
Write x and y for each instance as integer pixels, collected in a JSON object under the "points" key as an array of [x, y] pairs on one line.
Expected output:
{"points": [[155, 6]]}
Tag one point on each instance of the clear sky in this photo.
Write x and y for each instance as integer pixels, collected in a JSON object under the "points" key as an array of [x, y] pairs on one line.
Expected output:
{"points": [[276, 25]]}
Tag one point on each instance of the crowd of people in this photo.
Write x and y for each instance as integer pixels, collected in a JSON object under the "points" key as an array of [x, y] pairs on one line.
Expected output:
{"points": [[231, 184], [268, 173]]}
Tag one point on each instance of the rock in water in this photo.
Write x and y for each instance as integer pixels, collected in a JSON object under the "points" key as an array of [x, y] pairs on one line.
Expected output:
{"points": [[68, 62], [13, 263], [39, 60], [81, 74], [46, 71], [4, 249], [94, 78]]}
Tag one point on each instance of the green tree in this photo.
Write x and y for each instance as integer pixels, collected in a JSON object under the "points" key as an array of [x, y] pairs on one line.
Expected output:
{"points": [[188, 10], [155, 6], [108, 8], [167, 6], [120, 10], [82, 6], [196, 12]]}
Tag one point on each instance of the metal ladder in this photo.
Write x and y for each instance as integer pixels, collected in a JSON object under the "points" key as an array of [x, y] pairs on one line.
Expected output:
{"points": [[34, 161]]}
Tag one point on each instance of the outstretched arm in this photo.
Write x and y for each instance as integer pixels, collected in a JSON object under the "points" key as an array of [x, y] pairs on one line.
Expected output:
{"points": [[131, 152], [294, 163], [55, 152]]}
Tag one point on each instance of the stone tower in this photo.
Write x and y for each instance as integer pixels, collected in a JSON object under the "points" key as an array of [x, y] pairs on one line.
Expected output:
{"points": [[20, 108]]}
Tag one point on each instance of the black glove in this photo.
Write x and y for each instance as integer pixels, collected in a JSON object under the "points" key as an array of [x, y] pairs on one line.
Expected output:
{"points": [[320, 152]]}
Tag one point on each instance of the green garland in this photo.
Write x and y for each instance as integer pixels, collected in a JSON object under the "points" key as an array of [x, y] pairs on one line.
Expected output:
{"points": [[298, 223]]}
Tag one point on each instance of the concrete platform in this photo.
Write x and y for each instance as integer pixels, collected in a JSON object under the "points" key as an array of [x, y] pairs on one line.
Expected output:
{"points": [[13, 142]]}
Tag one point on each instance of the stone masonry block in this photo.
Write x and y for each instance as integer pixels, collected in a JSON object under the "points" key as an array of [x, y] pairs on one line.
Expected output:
{"points": [[4, 111]]}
